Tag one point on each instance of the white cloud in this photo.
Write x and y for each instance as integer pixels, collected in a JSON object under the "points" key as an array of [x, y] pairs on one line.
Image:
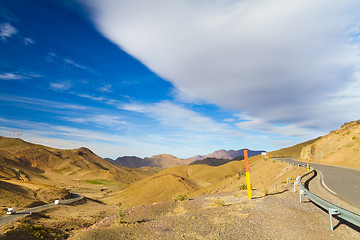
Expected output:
{"points": [[10, 76], [41, 104], [29, 41], [51, 57], [77, 65], [99, 99], [106, 88], [171, 114], [6, 31], [298, 130], [105, 120], [280, 61], [61, 86]]}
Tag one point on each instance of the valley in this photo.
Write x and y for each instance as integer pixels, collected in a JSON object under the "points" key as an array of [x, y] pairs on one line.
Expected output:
{"points": [[122, 202]]}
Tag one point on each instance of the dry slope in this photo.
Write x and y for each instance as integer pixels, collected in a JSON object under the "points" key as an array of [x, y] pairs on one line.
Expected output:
{"points": [[340, 147], [202, 179]]}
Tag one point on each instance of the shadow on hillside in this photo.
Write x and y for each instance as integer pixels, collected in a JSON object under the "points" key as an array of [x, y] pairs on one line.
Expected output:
{"points": [[271, 194]]}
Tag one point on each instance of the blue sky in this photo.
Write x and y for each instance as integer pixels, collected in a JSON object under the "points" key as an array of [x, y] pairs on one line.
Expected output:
{"points": [[185, 78]]}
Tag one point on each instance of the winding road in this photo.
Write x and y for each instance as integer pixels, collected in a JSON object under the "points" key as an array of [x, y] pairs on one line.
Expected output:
{"points": [[340, 181], [8, 218]]}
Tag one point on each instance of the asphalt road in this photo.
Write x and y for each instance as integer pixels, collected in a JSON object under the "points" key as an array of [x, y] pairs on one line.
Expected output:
{"points": [[8, 218], [341, 181]]}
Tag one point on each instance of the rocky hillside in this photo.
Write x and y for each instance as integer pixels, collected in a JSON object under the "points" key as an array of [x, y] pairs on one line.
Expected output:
{"points": [[27, 161], [130, 161], [215, 161], [225, 154], [293, 151], [159, 161], [340, 147]]}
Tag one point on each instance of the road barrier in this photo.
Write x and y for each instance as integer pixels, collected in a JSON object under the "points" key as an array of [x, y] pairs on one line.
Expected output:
{"points": [[332, 209]]}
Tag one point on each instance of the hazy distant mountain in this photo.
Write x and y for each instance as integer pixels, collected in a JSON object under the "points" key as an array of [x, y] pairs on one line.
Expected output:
{"points": [[167, 160], [214, 161], [225, 154], [131, 161], [161, 161]]}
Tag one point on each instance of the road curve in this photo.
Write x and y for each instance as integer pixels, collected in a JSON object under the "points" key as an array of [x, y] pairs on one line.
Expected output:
{"points": [[343, 182], [8, 218]]}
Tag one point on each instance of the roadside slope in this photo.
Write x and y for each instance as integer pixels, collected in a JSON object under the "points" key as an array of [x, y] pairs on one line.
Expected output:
{"points": [[340, 147]]}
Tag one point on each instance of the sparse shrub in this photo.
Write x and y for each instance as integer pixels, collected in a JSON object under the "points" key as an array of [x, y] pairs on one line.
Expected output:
{"points": [[180, 197], [348, 132], [265, 191], [242, 187], [353, 138], [218, 202], [122, 215]]}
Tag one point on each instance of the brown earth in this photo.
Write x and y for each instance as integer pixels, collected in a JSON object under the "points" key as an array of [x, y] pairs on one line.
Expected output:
{"points": [[340, 147], [195, 180], [35, 174], [279, 215]]}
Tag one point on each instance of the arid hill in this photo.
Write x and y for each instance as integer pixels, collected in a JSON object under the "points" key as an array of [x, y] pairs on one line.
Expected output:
{"points": [[32, 173], [130, 161], [158, 161], [202, 179], [216, 161], [293, 151], [340, 147], [35, 160]]}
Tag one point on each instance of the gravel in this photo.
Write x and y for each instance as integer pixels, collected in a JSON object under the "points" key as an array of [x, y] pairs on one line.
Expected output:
{"points": [[278, 215]]}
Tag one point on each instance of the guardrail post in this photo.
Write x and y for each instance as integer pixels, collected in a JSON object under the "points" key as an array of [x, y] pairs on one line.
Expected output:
{"points": [[301, 192], [332, 211], [296, 183], [287, 181]]}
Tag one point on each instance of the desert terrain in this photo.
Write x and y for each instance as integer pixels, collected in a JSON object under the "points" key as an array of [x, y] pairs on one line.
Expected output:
{"points": [[144, 203]]}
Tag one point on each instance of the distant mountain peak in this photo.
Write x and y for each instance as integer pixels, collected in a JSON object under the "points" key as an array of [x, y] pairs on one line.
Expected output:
{"points": [[225, 154]]}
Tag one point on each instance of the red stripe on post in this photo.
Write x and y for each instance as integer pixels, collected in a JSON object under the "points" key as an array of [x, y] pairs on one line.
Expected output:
{"points": [[246, 161]]}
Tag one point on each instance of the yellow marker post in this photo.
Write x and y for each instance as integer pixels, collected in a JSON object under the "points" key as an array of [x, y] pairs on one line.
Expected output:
{"points": [[307, 164], [248, 185]]}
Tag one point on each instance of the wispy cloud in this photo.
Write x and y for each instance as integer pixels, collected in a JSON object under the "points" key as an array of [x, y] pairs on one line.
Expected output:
{"points": [[11, 76], [29, 41], [61, 86], [51, 57], [175, 115], [99, 99], [260, 125], [7, 31], [104, 120], [44, 104], [77, 65], [106, 88]]}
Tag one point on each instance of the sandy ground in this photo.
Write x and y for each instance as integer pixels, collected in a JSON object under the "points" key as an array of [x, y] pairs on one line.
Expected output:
{"points": [[278, 215]]}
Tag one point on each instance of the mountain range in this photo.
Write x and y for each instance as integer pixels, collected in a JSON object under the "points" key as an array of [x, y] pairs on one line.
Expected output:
{"points": [[167, 160], [225, 154]]}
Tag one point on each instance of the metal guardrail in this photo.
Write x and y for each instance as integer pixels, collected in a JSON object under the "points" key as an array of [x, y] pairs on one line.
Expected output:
{"points": [[332, 209]]}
